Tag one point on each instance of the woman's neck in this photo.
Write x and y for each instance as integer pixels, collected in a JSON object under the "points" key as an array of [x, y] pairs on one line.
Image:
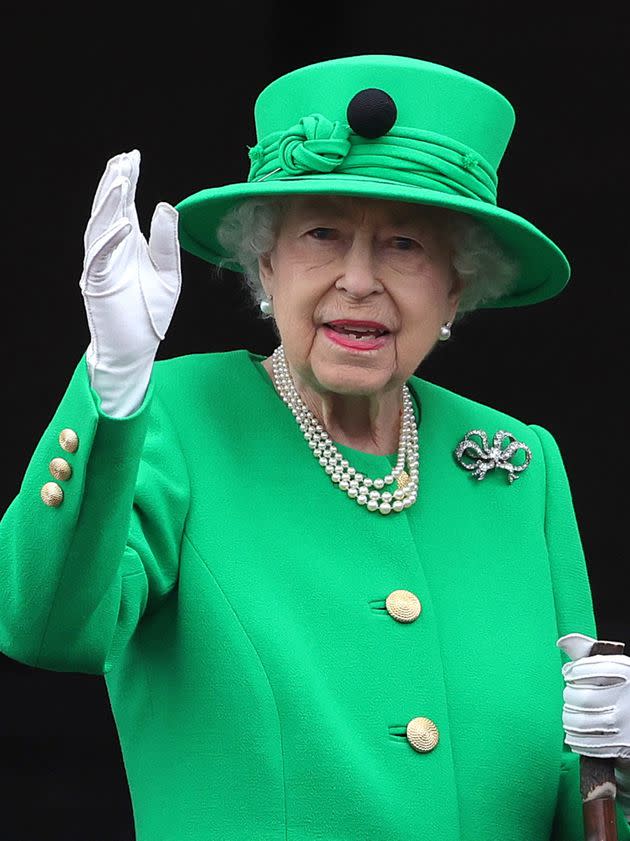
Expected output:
{"points": [[369, 423]]}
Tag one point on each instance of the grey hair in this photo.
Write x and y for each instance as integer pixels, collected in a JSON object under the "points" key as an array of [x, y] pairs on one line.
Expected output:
{"points": [[249, 230]]}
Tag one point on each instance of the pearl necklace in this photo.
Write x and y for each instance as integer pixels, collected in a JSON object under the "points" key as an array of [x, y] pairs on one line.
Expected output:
{"points": [[364, 490]]}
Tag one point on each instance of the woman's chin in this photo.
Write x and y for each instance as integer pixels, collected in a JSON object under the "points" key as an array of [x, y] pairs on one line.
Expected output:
{"points": [[350, 376]]}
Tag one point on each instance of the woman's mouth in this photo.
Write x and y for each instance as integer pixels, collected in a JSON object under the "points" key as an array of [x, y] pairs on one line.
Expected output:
{"points": [[346, 337]]}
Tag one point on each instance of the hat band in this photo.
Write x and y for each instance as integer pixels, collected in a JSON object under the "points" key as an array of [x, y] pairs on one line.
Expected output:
{"points": [[411, 156]]}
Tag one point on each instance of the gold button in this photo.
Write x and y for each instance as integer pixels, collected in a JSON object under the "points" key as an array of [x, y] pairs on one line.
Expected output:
{"points": [[52, 494], [422, 734], [69, 440], [60, 468], [403, 605]]}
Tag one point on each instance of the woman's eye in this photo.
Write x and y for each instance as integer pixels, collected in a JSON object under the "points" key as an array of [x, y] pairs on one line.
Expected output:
{"points": [[322, 233], [404, 243]]}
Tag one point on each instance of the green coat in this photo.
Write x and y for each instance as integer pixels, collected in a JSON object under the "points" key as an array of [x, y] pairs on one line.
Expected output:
{"points": [[235, 601]]}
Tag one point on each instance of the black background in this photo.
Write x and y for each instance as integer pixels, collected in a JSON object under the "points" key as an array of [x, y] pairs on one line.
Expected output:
{"points": [[181, 89]]}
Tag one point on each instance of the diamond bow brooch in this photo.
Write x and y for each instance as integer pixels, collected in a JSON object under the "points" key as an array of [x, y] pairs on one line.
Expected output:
{"points": [[484, 457]]}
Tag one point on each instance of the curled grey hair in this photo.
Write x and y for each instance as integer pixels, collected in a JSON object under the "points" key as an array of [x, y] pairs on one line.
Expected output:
{"points": [[249, 230]]}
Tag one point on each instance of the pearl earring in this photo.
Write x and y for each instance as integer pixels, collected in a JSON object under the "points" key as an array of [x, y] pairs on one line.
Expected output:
{"points": [[267, 306], [445, 331]]}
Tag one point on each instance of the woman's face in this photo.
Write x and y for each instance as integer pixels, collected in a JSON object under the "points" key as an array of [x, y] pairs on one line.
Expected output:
{"points": [[359, 259]]}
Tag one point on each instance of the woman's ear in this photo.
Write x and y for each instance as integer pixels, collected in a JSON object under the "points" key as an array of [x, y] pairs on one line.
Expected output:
{"points": [[265, 270], [457, 288]]}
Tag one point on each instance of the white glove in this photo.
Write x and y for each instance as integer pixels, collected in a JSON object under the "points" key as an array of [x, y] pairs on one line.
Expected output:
{"points": [[596, 711], [130, 289]]}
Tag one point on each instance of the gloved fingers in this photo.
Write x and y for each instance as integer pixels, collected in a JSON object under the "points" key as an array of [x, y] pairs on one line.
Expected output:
{"points": [[97, 258], [597, 720], [596, 741], [109, 211], [126, 165], [112, 171], [164, 243], [590, 747], [118, 165], [576, 645], [131, 170], [163, 293], [594, 733], [598, 670], [590, 698], [596, 709]]}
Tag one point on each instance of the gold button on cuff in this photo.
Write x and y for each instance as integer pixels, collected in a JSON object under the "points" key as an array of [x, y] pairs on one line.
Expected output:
{"points": [[52, 494], [422, 734], [403, 605], [69, 440], [60, 469]]}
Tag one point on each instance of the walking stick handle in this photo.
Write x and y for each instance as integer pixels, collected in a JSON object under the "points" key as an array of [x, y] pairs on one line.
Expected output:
{"points": [[597, 780]]}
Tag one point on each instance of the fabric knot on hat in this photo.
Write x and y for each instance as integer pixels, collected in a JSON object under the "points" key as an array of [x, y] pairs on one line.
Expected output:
{"points": [[469, 161], [255, 152], [315, 144], [425, 159]]}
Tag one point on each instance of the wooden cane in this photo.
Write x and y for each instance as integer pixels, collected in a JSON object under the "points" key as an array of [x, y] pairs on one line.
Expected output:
{"points": [[597, 780]]}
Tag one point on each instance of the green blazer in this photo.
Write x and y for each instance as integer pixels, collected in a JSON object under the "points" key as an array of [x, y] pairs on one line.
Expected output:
{"points": [[236, 602]]}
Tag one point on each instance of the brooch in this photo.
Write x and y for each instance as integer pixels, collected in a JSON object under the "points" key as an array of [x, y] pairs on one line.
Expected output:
{"points": [[485, 457]]}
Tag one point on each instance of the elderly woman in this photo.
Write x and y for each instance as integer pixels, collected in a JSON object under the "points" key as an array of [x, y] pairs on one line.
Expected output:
{"points": [[285, 661]]}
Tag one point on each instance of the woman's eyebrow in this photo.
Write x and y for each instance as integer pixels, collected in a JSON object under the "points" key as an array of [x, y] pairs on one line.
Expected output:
{"points": [[340, 211]]}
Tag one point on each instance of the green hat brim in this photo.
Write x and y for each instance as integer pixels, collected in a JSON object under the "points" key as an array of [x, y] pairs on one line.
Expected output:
{"points": [[543, 268]]}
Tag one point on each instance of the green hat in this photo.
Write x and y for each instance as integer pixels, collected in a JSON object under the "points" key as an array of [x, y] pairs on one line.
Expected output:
{"points": [[387, 127]]}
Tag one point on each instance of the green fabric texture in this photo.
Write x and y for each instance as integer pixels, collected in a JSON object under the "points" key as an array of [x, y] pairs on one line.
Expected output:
{"points": [[415, 157], [234, 600], [445, 146]]}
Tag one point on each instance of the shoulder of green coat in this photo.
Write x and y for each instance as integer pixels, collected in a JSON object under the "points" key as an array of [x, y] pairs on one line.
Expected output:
{"points": [[464, 414]]}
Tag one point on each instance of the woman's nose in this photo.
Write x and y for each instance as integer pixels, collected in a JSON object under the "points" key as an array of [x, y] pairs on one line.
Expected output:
{"points": [[359, 275]]}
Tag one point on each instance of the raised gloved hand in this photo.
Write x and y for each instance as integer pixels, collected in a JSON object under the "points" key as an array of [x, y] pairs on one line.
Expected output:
{"points": [[596, 711], [130, 288]]}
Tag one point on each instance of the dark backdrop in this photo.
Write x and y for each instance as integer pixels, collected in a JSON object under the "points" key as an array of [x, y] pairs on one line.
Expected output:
{"points": [[181, 90]]}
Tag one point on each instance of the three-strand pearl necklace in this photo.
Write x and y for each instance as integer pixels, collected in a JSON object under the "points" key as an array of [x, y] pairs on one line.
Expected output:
{"points": [[363, 489]]}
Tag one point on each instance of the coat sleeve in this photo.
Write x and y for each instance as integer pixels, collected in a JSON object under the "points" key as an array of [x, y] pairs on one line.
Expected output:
{"points": [[76, 578], [574, 613]]}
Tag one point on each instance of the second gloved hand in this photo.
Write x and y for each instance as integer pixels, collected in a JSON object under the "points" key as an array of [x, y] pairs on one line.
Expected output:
{"points": [[130, 287], [596, 712]]}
